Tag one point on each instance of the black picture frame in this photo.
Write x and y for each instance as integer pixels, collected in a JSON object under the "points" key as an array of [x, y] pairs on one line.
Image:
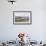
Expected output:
{"points": [[22, 17]]}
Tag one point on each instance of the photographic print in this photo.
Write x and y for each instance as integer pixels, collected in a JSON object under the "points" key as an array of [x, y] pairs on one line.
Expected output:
{"points": [[22, 17]]}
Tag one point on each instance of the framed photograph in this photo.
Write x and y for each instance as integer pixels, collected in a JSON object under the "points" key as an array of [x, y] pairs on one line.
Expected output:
{"points": [[22, 17]]}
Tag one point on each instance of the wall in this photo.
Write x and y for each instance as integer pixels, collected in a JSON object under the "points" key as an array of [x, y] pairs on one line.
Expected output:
{"points": [[9, 31]]}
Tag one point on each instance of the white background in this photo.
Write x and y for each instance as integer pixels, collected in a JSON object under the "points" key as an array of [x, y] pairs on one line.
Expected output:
{"points": [[8, 31]]}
